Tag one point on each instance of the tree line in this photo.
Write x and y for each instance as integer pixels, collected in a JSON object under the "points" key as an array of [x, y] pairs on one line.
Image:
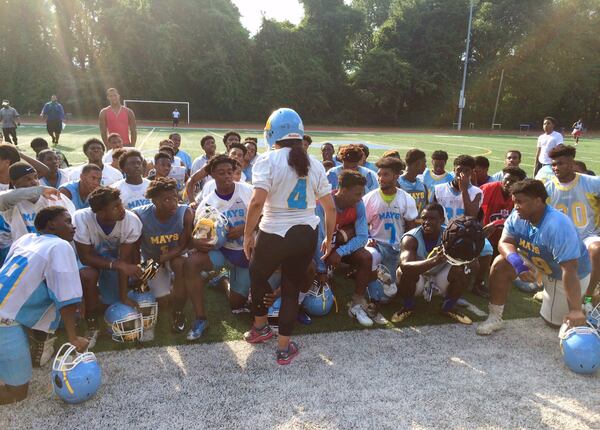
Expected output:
{"points": [[388, 62]]}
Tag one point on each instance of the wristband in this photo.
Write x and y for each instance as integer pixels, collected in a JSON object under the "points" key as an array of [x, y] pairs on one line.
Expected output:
{"points": [[517, 263]]}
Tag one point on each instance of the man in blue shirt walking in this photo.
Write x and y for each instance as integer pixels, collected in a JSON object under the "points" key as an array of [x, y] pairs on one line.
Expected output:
{"points": [[54, 114]]}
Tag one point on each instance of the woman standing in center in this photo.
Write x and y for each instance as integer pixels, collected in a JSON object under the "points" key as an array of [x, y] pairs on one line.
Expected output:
{"points": [[287, 185]]}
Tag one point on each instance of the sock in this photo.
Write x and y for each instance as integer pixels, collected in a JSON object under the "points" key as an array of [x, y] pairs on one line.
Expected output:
{"points": [[409, 303], [448, 304], [496, 310], [358, 299], [301, 296]]}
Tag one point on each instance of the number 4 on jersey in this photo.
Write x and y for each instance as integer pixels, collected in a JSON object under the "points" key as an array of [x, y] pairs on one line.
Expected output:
{"points": [[297, 198]]}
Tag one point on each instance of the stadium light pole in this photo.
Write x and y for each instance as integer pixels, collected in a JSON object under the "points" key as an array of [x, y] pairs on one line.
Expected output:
{"points": [[461, 98]]}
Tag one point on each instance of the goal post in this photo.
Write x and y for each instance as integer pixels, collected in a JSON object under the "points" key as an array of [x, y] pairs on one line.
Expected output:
{"points": [[160, 102]]}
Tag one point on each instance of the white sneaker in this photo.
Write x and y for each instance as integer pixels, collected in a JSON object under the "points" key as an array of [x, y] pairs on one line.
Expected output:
{"points": [[380, 319], [539, 296], [92, 337], [491, 324], [358, 312]]}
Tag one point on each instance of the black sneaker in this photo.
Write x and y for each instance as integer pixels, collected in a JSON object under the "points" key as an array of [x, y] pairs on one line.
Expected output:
{"points": [[179, 322]]}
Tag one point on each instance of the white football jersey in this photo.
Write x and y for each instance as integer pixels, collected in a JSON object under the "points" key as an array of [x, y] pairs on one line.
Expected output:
{"points": [[387, 222], [21, 217], [110, 175], [89, 232], [291, 200], [5, 236], [133, 196], [32, 259], [452, 200], [234, 209]]}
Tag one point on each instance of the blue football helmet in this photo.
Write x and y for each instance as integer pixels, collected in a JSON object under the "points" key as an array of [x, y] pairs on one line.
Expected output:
{"points": [[283, 124], [319, 299], [376, 293], [75, 377], [211, 224], [125, 324], [148, 306], [580, 347]]}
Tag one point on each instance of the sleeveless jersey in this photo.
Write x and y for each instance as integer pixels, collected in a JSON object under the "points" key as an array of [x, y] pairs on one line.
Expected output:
{"points": [[158, 237], [73, 188], [417, 190], [578, 200], [118, 123], [430, 180], [422, 251]]}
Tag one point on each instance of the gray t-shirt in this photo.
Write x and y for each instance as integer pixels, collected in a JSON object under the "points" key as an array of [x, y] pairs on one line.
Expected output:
{"points": [[9, 117]]}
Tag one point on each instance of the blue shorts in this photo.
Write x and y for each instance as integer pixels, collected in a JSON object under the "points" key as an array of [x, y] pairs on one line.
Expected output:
{"points": [[239, 276], [15, 359]]}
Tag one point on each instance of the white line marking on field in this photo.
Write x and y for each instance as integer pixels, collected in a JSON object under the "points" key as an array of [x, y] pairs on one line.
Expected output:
{"points": [[85, 129], [175, 356], [145, 139]]}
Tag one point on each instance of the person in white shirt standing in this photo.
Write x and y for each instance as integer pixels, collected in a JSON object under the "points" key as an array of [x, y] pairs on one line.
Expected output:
{"points": [[175, 116], [287, 185], [39, 286], [133, 187], [545, 143]]}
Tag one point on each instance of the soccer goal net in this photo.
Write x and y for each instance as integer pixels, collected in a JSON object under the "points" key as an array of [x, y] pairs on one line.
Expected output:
{"points": [[158, 110]]}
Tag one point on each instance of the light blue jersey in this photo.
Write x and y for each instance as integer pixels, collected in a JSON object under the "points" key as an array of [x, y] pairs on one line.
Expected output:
{"points": [[579, 200], [185, 158], [430, 179], [158, 237], [417, 190], [553, 241], [422, 249], [370, 166], [73, 188], [334, 173]]}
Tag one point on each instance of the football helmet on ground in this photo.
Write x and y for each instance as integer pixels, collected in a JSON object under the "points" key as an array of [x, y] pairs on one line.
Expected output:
{"points": [[75, 377], [580, 347], [125, 324], [319, 299]]}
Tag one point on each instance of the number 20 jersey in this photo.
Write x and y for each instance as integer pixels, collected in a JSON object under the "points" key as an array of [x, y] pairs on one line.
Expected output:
{"points": [[578, 200]]}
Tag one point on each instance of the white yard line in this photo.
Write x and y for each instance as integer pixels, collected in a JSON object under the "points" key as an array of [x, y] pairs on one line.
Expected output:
{"points": [[145, 139]]}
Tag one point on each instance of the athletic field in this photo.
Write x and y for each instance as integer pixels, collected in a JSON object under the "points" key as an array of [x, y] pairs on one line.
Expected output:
{"points": [[423, 373]]}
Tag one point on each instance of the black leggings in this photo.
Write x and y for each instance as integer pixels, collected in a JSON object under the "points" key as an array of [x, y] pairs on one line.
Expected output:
{"points": [[293, 253]]}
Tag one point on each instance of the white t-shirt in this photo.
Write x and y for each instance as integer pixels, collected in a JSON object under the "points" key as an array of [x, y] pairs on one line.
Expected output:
{"points": [[199, 163], [176, 114], [89, 232], [211, 185], [546, 142], [133, 196], [387, 222], [110, 175], [235, 209], [291, 200], [452, 200], [32, 259], [21, 217]]}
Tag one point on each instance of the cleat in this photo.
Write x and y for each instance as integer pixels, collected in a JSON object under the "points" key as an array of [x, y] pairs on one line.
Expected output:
{"points": [[286, 357], [491, 324], [259, 335], [379, 319], [358, 312], [41, 351], [457, 316], [304, 318], [92, 332], [178, 322], [197, 329], [401, 315]]}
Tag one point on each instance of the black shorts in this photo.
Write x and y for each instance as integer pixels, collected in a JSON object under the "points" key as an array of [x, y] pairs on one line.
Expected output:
{"points": [[54, 126], [176, 121]]}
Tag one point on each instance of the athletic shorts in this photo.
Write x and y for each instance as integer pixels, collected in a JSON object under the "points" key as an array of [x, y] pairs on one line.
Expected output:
{"points": [[590, 239], [54, 126], [576, 133], [239, 277], [554, 304], [15, 359], [439, 280]]}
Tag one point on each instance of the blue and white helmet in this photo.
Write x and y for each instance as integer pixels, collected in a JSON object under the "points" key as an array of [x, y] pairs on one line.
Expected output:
{"points": [[376, 293], [211, 224], [125, 324], [319, 299], [75, 377], [148, 306], [580, 347], [284, 123]]}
